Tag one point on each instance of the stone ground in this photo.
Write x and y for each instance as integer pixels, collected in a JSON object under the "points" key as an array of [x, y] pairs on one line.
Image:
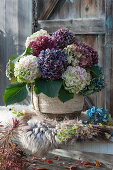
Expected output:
{"points": [[56, 162], [61, 161]]}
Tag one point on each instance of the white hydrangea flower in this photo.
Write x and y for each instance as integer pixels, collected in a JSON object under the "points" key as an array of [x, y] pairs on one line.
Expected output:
{"points": [[75, 79], [27, 69], [35, 35]]}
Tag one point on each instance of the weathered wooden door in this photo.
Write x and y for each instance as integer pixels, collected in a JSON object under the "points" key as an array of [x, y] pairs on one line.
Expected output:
{"points": [[92, 22]]}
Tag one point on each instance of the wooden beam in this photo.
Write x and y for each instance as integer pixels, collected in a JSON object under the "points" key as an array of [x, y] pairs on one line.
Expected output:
{"points": [[79, 26], [35, 15], [108, 57], [49, 9]]}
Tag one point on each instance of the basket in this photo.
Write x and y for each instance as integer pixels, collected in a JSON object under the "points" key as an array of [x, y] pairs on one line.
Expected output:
{"points": [[45, 104]]}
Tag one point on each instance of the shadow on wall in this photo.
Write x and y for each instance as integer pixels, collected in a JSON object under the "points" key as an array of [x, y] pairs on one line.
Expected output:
{"points": [[7, 48]]}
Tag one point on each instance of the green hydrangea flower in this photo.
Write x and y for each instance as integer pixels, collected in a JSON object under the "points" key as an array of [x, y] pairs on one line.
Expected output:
{"points": [[75, 79], [73, 56]]}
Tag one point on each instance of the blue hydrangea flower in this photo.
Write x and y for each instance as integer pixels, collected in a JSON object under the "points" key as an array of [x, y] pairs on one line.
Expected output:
{"points": [[97, 114]]}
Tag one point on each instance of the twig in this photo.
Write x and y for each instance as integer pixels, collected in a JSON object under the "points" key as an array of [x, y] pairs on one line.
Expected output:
{"points": [[104, 127]]}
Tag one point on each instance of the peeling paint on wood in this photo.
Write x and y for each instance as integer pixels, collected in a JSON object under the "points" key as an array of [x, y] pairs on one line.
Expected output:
{"points": [[109, 22]]}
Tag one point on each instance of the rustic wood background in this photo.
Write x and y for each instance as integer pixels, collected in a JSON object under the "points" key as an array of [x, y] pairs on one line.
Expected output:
{"points": [[15, 26], [92, 22]]}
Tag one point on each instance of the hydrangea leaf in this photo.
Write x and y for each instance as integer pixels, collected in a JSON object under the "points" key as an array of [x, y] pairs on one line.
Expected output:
{"points": [[96, 70], [13, 80], [48, 87], [10, 67], [13, 61], [86, 92], [14, 93], [28, 51], [64, 95], [37, 90], [91, 86]]}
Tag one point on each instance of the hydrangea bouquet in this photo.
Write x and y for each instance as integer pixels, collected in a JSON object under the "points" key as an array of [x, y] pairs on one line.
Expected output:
{"points": [[56, 65]]}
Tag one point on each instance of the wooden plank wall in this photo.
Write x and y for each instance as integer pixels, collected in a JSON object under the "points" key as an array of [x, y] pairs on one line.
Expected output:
{"points": [[109, 55], [92, 22], [15, 26]]}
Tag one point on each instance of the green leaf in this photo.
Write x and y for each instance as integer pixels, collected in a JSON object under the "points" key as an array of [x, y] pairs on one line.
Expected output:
{"points": [[13, 57], [13, 108], [37, 90], [13, 80], [15, 93], [28, 51], [15, 112], [14, 60], [64, 95], [86, 92], [96, 71], [48, 87], [12, 64], [91, 86], [108, 136], [75, 127]]}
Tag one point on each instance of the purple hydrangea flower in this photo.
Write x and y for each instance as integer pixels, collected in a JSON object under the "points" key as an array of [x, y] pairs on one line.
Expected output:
{"points": [[90, 53], [52, 63], [64, 37], [81, 54]]}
